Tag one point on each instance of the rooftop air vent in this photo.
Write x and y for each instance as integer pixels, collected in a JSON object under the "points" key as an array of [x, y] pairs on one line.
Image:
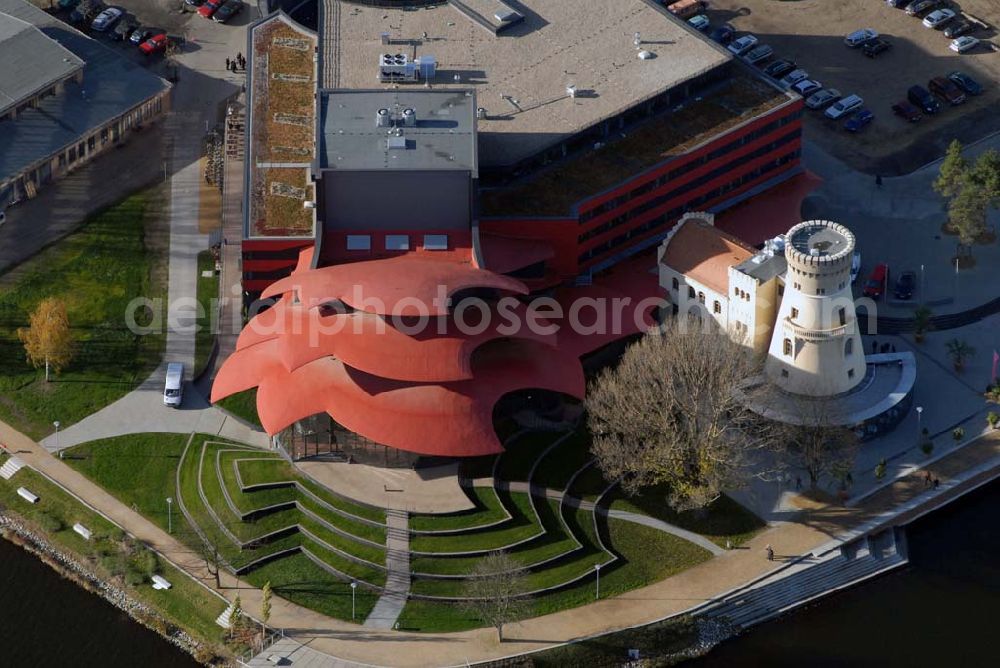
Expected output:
{"points": [[396, 143], [409, 117], [508, 16], [382, 118]]}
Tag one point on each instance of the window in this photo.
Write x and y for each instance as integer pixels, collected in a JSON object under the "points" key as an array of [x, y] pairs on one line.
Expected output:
{"points": [[848, 347], [842, 314], [435, 242], [795, 313], [736, 292], [72, 155], [690, 292], [62, 159], [359, 242], [104, 136], [701, 297], [784, 373], [820, 291], [787, 347], [675, 284], [397, 242], [716, 307], [850, 373], [91, 143]]}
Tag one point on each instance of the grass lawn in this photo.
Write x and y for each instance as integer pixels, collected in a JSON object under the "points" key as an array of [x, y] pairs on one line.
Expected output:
{"points": [[243, 405], [137, 469], [590, 484], [518, 457], [185, 604], [523, 524], [488, 510], [208, 295], [117, 256], [722, 520], [557, 467]]}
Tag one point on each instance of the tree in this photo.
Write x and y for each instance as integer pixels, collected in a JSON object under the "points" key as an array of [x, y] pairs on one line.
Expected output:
{"points": [[815, 445], [959, 351], [967, 213], [47, 339], [953, 172], [265, 609], [670, 413], [208, 548], [495, 591], [235, 615], [921, 322]]}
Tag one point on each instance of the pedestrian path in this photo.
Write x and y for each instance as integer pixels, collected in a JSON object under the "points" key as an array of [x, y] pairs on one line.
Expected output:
{"points": [[397, 582]]}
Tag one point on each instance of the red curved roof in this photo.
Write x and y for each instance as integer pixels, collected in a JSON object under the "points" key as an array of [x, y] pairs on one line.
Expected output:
{"points": [[404, 285]]}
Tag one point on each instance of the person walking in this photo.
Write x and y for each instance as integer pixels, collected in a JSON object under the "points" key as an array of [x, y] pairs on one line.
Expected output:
{"points": [[874, 346], [227, 62], [233, 68], [928, 479], [878, 180], [770, 552]]}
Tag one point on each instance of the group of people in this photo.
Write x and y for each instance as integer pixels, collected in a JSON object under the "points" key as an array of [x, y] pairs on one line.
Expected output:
{"points": [[237, 63]]}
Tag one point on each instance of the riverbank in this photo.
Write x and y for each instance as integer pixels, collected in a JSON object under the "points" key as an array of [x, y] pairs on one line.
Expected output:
{"points": [[18, 533]]}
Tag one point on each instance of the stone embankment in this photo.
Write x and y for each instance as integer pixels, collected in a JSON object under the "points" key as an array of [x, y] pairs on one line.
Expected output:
{"points": [[19, 533]]}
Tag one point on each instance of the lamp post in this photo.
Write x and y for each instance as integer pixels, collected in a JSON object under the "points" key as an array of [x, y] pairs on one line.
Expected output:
{"points": [[920, 414], [56, 425], [597, 591], [354, 588], [923, 299], [170, 526]]}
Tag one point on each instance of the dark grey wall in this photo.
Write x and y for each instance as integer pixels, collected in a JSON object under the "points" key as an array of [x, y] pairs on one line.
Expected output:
{"points": [[390, 200]]}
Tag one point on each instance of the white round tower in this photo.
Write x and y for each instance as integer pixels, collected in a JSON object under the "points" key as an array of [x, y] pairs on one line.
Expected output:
{"points": [[816, 349]]}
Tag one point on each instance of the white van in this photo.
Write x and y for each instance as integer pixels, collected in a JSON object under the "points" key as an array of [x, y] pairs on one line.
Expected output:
{"points": [[844, 106], [173, 390]]}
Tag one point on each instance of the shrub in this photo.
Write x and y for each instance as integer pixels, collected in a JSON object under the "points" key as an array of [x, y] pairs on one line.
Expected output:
{"points": [[146, 562], [134, 576], [881, 468], [958, 433], [927, 447], [50, 522], [992, 419]]}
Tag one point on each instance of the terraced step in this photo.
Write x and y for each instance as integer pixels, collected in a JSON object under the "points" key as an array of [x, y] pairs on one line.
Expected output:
{"points": [[10, 467]]}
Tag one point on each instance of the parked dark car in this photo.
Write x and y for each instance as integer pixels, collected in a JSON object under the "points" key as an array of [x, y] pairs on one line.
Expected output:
{"points": [[193, 3], [905, 285], [957, 29], [68, 4], [906, 110], [723, 34], [86, 11], [896, 3], [125, 27], [946, 89], [779, 68], [859, 121], [873, 47], [141, 34], [966, 83], [920, 96], [921, 7], [227, 11]]}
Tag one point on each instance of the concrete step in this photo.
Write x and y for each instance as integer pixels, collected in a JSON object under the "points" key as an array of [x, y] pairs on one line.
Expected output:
{"points": [[10, 467], [223, 620]]}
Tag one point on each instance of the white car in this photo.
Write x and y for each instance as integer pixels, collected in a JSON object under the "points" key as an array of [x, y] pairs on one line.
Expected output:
{"points": [[699, 22], [855, 265], [106, 19], [938, 18], [740, 46], [793, 78], [859, 37], [963, 43], [807, 87], [844, 106], [823, 98]]}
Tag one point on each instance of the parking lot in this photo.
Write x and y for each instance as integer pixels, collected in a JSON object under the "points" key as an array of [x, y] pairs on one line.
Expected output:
{"points": [[811, 32]]}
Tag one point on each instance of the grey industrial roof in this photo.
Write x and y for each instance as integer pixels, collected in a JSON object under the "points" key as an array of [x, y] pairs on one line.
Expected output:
{"points": [[764, 266], [443, 138], [521, 75], [112, 85], [31, 61]]}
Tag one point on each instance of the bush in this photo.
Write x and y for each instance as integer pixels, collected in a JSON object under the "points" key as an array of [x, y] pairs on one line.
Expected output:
{"points": [[146, 562], [881, 468], [49, 522], [992, 419], [134, 576], [958, 433], [927, 447]]}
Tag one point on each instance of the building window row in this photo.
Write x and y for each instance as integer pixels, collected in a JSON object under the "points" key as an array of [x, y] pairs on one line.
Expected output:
{"points": [[696, 162], [396, 242], [678, 211], [680, 190]]}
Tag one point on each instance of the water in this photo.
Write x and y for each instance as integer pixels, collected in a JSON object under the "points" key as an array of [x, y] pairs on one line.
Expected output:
{"points": [[939, 611], [48, 621]]}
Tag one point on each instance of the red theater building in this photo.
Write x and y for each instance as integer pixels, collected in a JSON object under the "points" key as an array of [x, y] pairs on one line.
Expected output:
{"points": [[398, 155]]}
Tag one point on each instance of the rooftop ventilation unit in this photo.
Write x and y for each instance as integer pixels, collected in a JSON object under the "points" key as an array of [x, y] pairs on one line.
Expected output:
{"points": [[382, 118], [409, 117], [396, 67], [508, 15], [396, 143], [427, 67]]}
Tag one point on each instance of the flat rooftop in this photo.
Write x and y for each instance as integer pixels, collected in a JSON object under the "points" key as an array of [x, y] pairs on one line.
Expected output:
{"points": [[521, 75], [31, 61], [442, 137]]}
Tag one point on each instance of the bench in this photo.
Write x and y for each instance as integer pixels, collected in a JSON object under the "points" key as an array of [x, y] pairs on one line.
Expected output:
{"points": [[160, 582], [27, 495], [82, 530]]}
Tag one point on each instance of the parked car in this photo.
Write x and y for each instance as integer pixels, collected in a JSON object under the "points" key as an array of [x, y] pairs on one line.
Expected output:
{"points": [[938, 18], [794, 77], [859, 37], [905, 284], [896, 3], [107, 19], [723, 34], [700, 22], [855, 265], [193, 3], [873, 47], [859, 121], [875, 285], [823, 98], [126, 26], [743, 44], [958, 29], [966, 83], [155, 44], [844, 106], [173, 386], [907, 111], [919, 96], [209, 8], [141, 34], [807, 87], [963, 44], [758, 54], [918, 7], [86, 10], [228, 10], [945, 88], [779, 68], [68, 4]]}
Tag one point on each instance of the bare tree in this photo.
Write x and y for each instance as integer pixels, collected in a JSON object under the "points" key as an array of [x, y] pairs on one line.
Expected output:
{"points": [[816, 445], [495, 591], [670, 413]]}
